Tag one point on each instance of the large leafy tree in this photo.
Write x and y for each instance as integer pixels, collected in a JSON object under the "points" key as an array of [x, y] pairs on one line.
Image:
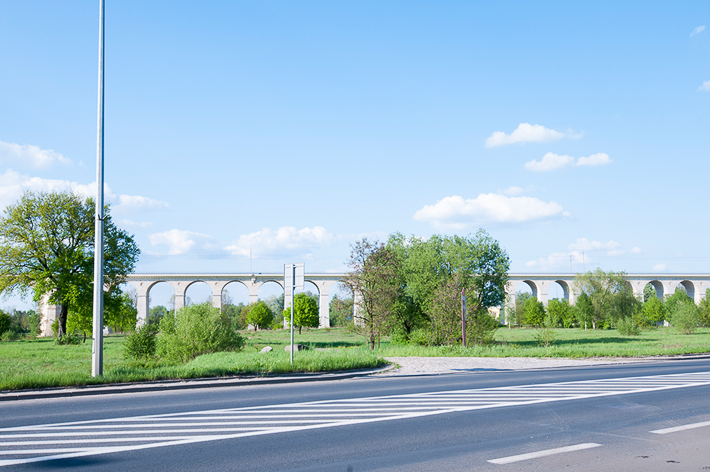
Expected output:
{"points": [[305, 311], [260, 315], [375, 281], [47, 248], [610, 295]]}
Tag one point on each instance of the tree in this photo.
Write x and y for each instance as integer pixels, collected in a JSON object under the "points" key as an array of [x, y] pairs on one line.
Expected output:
{"points": [[260, 315], [705, 309], [686, 318], [653, 312], [375, 281], [608, 293], [5, 322], [47, 248], [534, 312], [156, 314], [678, 300], [519, 313], [584, 310], [560, 311], [341, 311], [305, 311]]}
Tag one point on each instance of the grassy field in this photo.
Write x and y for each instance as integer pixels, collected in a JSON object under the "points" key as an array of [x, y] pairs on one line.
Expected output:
{"points": [[41, 363]]}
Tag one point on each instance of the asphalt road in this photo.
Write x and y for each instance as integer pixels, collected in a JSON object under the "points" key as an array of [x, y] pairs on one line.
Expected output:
{"points": [[646, 417]]}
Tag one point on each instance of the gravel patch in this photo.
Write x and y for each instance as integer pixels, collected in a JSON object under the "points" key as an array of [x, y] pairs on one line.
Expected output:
{"points": [[450, 365]]}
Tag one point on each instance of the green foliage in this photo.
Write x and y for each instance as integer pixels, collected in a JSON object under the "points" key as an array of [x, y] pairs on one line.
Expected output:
{"points": [[341, 311], [156, 314], [561, 312], [260, 315], [5, 322], [705, 310], [676, 301], [649, 291], [609, 295], [627, 327], [519, 314], [47, 249], [652, 312], [445, 312], [305, 311], [534, 312], [196, 330], [141, 343], [480, 328], [686, 318]]}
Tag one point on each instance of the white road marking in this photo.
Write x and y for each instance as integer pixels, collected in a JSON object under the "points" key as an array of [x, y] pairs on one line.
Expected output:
{"points": [[675, 429], [546, 452], [27, 444]]}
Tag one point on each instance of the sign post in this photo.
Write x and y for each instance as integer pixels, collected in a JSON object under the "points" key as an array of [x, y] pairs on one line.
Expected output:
{"points": [[293, 280], [463, 315]]}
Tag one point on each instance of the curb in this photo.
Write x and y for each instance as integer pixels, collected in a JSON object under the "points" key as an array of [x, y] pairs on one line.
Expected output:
{"points": [[162, 386]]}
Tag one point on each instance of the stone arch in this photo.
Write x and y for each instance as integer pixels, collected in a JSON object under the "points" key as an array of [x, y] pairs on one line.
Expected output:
{"points": [[565, 289], [658, 287], [203, 297], [235, 282], [532, 285], [689, 288]]}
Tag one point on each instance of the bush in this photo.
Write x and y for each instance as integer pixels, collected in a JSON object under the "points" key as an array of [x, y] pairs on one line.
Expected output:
{"points": [[196, 330], [480, 328], [5, 322], [627, 327], [260, 315], [686, 318], [141, 343], [10, 335]]}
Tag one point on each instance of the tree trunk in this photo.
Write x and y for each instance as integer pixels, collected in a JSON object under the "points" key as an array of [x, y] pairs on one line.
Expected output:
{"points": [[62, 320]]}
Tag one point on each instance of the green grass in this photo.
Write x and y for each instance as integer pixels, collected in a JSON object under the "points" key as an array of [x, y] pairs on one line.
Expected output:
{"points": [[41, 363]]}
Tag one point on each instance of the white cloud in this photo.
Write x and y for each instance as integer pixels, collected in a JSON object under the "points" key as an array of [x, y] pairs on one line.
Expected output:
{"points": [[583, 244], [454, 212], [13, 185], [549, 161], [705, 87], [524, 133], [136, 202], [697, 30], [552, 161], [579, 255], [143, 224], [560, 261], [513, 191], [659, 268], [598, 159], [30, 156], [286, 238], [180, 242]]}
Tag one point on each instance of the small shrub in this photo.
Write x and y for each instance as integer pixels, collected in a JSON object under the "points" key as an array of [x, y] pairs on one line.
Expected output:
{"points": [[10, 335], [480, 328], [627, 327], [141, 343], [545, 336], [69, 339], [195, 330], [419, 337], [686, 318]]}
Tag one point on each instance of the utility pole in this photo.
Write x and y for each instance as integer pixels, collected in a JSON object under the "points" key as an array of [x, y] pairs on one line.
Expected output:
{"points": [[97, 349]]}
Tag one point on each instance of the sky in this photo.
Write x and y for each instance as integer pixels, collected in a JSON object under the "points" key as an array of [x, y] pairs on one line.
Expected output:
{"points": [[240, 136]]}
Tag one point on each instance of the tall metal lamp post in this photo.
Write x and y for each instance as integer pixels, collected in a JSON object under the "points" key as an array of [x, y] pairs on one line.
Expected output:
{"points": [[97, 350]]}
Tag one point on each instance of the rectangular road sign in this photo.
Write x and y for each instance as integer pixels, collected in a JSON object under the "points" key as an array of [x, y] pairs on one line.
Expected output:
{"points": [[294, 276]]}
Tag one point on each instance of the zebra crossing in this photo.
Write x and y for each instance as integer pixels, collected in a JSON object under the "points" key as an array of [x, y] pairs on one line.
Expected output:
{"points": [[43, 442]]}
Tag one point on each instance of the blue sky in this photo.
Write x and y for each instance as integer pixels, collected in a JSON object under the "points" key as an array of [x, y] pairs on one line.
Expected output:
{"points": [[575, 133]]}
